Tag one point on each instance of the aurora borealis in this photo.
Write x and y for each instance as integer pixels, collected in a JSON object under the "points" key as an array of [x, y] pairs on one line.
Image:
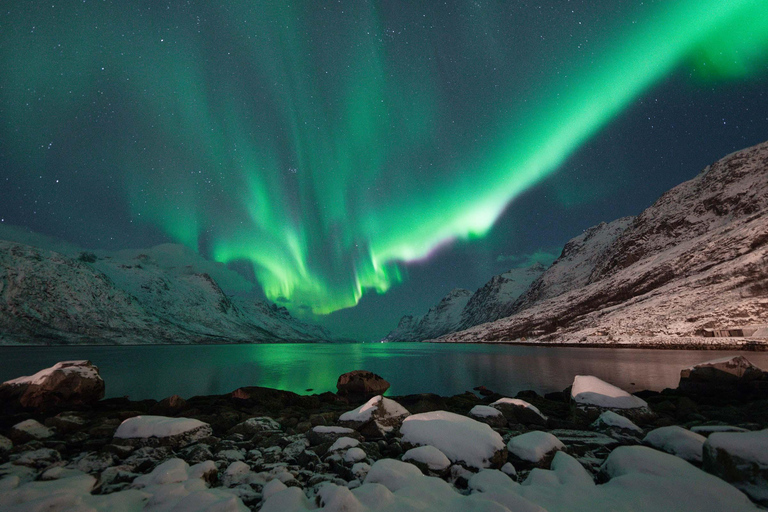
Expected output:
{"points": [[329, 149]]}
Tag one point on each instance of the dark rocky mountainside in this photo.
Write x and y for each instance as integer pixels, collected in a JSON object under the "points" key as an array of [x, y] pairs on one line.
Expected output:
{"points": [[46, 297], [696, 259]]}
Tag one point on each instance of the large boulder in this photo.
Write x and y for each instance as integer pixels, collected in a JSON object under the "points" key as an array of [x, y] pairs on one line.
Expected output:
{"points": [[677, 441], [67, 383], [463, 440], [361, 384], [533, 449], [519, 411], [591, 396], [740, 458], [720, 375], [375, 418], [161, 431]]}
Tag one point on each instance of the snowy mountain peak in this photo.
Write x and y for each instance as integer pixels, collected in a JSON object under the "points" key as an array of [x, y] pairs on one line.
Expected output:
{"points": [[130, 298]]}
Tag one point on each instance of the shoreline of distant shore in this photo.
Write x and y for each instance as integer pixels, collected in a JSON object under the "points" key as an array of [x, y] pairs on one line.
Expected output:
{"points": [[688, 343]]}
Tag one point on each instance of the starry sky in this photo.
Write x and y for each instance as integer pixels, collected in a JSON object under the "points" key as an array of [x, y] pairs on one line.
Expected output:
{"points": [[357, 160]]}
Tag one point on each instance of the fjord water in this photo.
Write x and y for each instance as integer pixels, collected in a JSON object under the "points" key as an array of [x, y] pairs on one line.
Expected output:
{"points": [[158, 371]]}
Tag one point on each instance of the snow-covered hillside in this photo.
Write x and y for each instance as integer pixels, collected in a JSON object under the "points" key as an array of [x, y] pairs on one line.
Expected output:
{"points": [[154, 296], [695, 259], [443, 318], [462, 308], [497, 297]]}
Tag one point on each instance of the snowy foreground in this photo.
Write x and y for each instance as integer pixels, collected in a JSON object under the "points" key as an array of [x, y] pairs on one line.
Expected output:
{"points": [[606, 452]]}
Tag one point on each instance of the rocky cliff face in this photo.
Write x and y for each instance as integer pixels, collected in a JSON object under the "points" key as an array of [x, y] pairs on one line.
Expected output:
{"points": [[695, 259], [443, 318], [574, 268], [497, 298], [46, 297]]}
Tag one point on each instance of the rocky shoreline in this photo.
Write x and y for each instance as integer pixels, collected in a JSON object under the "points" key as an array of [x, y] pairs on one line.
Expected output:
{"points": [[64, 448], [671, 343]]}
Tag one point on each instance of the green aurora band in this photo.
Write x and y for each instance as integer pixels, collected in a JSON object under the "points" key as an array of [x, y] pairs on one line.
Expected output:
{"points": [[301, 150]]}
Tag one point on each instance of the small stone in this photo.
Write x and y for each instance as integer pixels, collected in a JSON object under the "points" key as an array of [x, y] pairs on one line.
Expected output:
{"points": [[28, 430]]}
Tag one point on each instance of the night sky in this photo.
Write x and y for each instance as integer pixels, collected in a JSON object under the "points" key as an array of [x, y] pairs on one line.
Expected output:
{"points": [[369, 153]]}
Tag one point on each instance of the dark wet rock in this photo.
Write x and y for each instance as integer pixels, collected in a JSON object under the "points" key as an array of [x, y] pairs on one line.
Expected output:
{"points": [[169, 406], [361, 383], [67, 422], [65, 384], [721, 375], [483, 391]]}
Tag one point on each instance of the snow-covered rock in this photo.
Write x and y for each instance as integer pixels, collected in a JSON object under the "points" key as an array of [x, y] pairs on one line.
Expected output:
{"points": [[534, 448], [721, 373], [740, 458], [261, 425], [706, 430], [489, 415], [610, 420], [427, 456], [343, 443], [353, 455], [28, 430], [65, 383], [161, 431], [38, 459], [677, 441], [590, 391], [328, 434], [462, 439], [520, 411], [385, 413]]}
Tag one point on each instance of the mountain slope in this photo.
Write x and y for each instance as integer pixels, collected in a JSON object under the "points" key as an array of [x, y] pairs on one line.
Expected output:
{"points": [[49, 298], [695, 259], [440, 319], [497, 297], [575, 265]]}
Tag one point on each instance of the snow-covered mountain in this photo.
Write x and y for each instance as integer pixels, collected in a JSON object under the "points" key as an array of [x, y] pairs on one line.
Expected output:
{"points": [[497, 297], [573, 268], [696, 259], [461, 308], [146, 297], [443, 318]]}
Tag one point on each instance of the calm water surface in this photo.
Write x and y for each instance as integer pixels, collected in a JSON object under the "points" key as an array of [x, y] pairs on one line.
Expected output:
{"points": [[158, 371]]}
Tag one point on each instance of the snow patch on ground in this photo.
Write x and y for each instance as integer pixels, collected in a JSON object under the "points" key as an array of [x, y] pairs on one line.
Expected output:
{"points": [[156, 426]]}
